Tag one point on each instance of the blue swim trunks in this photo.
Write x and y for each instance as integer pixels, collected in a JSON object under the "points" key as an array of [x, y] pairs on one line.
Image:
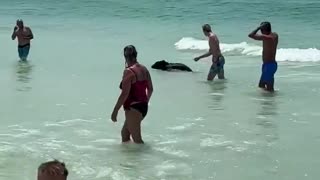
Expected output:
{"points": [[217, 68], [23, 51], [268, 71]]}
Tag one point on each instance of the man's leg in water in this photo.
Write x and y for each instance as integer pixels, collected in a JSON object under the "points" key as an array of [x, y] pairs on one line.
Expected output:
{"points": [[221, 68], [270, 87], [262, 84], [270, 82], [125, 132], [221, 74], [23, 53], [211, 76], [26, 52], [20, 52], [212, 72], [269, 71]]}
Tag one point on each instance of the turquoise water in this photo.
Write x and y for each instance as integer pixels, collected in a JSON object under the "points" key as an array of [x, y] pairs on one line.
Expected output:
{"points": [[58, 105]]}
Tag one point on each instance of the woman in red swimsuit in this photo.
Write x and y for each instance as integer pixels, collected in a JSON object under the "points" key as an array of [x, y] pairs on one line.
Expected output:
{"points": [[136, 91]]}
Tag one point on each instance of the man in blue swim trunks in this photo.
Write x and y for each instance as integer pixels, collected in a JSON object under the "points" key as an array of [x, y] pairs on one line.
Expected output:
{"points": [[270, 43], [24, 35], [214, 50]]}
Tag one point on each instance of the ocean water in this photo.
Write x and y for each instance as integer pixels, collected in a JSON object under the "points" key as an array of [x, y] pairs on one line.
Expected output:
{"points": [[58, 104]]}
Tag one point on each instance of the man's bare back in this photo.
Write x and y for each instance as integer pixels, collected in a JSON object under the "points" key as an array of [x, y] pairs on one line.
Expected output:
{"points": [[269, 43], [270, 47]]}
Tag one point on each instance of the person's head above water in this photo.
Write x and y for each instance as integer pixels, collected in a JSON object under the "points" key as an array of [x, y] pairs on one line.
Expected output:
{"points": [[206, 28], [130, 54], [52, 170], [265, 27], [20, 23]]}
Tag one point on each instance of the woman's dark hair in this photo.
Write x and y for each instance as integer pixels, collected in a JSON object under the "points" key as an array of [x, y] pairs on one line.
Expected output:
{"points": [[130, 52]]}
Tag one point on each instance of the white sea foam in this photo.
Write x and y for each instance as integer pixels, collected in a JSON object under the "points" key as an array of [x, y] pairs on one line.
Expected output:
{"points": [[243, 48]]}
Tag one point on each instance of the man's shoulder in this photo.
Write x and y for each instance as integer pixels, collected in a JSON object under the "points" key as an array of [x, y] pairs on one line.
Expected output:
{"points": [[213, 37], [27, 27], [275, 34]]}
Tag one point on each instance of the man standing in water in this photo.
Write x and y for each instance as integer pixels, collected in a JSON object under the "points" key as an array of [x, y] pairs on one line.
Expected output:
{"points": [[24, 35], [214, 50], [270, 43]]}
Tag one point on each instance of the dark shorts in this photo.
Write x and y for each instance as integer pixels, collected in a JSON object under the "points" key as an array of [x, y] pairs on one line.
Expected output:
{"points": [[24, 51], [268, 71], [142, 107], [217, 68]]}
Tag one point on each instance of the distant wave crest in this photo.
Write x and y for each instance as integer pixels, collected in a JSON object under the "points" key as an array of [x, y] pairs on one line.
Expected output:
{"points": [[283, 54]]}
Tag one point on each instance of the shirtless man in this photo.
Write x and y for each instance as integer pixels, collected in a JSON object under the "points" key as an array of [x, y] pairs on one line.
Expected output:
{"points": [[214, 50], [24, 35], [270, 43]]}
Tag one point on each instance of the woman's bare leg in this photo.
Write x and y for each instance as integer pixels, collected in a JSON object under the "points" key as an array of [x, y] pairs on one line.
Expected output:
{"points": [[125, 132], [134, 118]]}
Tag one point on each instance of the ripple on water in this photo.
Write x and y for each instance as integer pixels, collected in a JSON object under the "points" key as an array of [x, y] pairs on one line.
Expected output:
{"points": [[106, 141], [117, 175], [165, 166], [215, 142], [181, 127], [84, 147], [250, 142], [78, 120], [50, 145], [61, 105], [168, 168], [199, 119], [8, 135], [22, 133], [83, 170], [262, 99], [219, 141], [83, 132], [168, 142], [173, 152], [6, 148], [103, 172], [217, 94], [261, 117], [237, 148], [47, 124]]}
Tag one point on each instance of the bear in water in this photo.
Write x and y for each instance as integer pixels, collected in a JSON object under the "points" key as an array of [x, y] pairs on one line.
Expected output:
{"points": [[166, 66]]}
